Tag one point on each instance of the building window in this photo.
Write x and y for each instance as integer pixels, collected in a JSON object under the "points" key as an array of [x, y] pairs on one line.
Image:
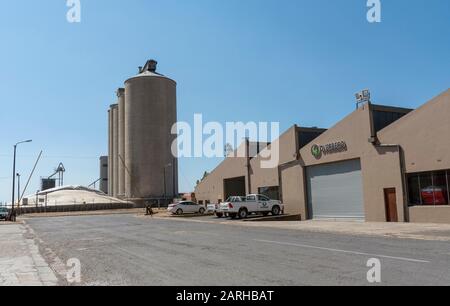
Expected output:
{"points": [[429, 188], [272, 193]]}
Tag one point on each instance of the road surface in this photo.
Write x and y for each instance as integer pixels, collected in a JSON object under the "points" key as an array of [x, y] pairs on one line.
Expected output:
{"points": [[131, 250]]}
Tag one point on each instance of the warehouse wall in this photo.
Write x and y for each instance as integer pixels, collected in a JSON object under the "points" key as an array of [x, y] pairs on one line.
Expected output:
{"points": [[293, 189], [424, 135], [424, 138], [212, 188], [261, 177], [380, 166]]}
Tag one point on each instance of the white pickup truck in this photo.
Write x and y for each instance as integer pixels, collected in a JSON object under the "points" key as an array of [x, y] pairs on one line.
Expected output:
{"points": [[251, 204]]}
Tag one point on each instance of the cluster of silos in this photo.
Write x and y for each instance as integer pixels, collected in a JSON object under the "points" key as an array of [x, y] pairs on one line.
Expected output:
{"points": [[141, 164]]}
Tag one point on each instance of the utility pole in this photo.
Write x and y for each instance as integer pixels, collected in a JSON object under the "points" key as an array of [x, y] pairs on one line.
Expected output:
{"points": [[18, 190], [14, 174]]}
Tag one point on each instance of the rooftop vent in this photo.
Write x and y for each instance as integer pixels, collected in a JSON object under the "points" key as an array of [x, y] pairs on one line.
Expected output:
{"points": [[149, 66], [120, 92]]}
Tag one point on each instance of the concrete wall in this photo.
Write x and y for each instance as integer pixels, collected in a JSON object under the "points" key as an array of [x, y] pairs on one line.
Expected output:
{"points": [[380, 166], [212, 188], [424, 135], [267, 177], [424, 138], [355, 131], [293, 189], [429, 214], [381, 170], [417, 142]]}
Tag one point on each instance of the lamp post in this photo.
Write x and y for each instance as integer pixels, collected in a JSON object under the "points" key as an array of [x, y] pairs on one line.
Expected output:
{"points": [[165, 187], [18, 190], [14, 174]]}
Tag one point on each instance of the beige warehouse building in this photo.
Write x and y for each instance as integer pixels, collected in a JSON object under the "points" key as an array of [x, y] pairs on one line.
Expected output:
{"points": [[380, 163]]}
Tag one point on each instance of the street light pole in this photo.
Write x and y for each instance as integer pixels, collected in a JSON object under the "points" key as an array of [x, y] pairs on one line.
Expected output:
{"points": [[14, 179], [14, 174], [18, 189]]}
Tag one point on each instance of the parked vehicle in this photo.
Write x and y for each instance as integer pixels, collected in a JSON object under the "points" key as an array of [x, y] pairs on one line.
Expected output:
{"points": [[252, 204], [211, 208], [434, 195], [222, 210], [4, 213], [186, 207]]}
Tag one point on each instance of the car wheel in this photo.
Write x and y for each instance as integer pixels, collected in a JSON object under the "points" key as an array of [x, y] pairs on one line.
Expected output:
{"points": [[275, 210], [219, 215], [179, 211], [243, 213], [201, 211]]}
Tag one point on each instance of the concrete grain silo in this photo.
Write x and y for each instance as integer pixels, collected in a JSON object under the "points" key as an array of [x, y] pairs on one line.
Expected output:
{"points": [[104, 174], [110, 152], [115, 147], [121, 143], [150, 112]]}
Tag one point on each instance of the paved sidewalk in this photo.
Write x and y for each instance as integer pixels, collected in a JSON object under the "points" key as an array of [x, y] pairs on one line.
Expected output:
{"points": [[436, 232], [20, 261], [418, 231]]}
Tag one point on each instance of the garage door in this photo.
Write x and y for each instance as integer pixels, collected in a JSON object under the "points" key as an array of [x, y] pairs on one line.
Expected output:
{"points": [[335, 190]]}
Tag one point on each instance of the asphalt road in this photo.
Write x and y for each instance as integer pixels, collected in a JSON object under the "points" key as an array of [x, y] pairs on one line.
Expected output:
{"points": [[130, 250]]}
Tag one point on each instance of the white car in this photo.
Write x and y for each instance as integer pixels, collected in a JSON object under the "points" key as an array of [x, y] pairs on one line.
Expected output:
{"points": [[186, 207], [252, 204]]}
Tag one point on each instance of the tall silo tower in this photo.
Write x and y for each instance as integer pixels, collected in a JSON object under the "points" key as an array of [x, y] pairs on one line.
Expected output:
{"points": [[110, 152], [104, 174], [115, 149], [150, 113], [121, 143]]}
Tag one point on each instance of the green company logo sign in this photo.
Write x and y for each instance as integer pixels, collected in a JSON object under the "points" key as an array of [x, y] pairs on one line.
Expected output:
{"points": [[337, 147], [315, 150]]}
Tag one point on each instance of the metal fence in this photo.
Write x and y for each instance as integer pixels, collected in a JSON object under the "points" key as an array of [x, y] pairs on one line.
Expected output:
{"points": [[74, 207]]}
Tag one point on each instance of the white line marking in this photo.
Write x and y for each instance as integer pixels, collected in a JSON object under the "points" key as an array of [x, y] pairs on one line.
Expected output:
{"points": [[344, 251], [91, 239]]}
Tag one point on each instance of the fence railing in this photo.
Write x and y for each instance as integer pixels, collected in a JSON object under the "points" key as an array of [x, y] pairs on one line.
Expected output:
{"points": [[75, 207]]}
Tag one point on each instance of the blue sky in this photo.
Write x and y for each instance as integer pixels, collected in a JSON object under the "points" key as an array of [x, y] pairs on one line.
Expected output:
{"points": [[292, 61]]}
